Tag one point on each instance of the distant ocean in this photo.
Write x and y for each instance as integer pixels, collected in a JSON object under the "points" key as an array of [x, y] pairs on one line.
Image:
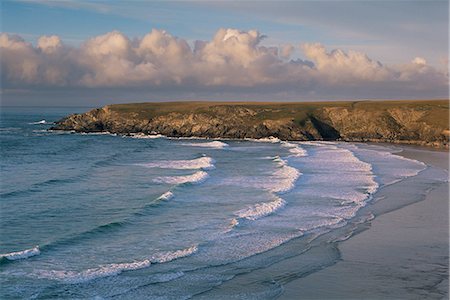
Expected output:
{"points": [[101, 215]]}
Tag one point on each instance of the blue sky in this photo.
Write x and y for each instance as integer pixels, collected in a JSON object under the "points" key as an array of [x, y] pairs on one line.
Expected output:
{"points": [[391, 32]]}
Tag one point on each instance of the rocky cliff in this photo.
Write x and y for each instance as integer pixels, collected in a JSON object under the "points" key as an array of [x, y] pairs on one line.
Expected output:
{"points": [[414, 122]]}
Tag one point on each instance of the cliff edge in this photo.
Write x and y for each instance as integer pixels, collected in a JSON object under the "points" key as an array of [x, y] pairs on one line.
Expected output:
{"points": [[424, 122]]}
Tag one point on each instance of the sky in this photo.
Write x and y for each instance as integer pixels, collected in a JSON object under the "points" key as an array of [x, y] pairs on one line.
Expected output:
{"points": [[91, 53]]}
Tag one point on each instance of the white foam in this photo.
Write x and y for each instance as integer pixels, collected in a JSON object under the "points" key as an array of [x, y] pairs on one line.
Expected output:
{"points": [[214, 145], [269, 139], [166, 196], [98, 133], [319, 221], [146, 136], [284, 177], [336, 186], [74, 277], [172, 255], [22, 254], [295, 149], [391, 168], [205, 163], [259, 210], [197, 177], [281, 181], [41, 122]]}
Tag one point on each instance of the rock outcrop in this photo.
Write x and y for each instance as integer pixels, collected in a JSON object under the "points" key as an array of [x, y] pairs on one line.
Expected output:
{"points": [[414, 122]]}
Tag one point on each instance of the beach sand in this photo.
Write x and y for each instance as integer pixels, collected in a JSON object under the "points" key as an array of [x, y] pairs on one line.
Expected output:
{"points": [[403, 255]]}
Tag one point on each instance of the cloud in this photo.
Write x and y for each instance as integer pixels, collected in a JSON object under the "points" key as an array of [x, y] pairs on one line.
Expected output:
{"points": [[232, 59], [49, 44], [286, 51]]}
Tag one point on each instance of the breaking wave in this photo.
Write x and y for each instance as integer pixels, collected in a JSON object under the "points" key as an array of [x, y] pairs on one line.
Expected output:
{"points": [[284, 177], [197, 177], [21, 254], [146, 136], [74, 277], [295, 149], [205, 163], [41, 122], [281, 181], [258, 211], [269, 139], [166, 196], [214, 145], [172, 255]]}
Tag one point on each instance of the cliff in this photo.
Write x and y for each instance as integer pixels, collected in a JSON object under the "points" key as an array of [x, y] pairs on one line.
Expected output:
{"points": [[414, 122]]}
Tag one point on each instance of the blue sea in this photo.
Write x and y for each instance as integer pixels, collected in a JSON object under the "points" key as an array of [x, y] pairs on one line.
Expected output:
{"points": [[131, 217]]}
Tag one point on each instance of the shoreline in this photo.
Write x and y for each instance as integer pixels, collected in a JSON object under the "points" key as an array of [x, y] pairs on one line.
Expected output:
{"points": [[400, 143], [309, 262], [403, 254]]}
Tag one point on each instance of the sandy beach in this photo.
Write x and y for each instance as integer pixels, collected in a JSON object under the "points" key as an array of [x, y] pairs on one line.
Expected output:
{"points": [[402, 255]]}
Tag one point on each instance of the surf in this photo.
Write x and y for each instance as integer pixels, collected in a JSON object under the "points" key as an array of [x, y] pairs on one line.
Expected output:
{"points": [[257, 211], [205, 163], [114, 269], [21, 254], [196, 178], [213, 145]]}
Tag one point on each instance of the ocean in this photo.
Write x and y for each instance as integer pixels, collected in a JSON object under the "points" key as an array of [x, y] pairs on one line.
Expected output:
{"points": [[131, 217]]}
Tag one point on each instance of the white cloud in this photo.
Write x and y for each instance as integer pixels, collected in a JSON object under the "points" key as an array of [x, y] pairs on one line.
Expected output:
{"points": [[419, 61], [49, 44], [231, 59]]}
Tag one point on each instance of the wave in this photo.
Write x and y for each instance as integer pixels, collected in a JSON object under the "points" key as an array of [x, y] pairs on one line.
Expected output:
{"points": [[172, 255], [323, 221], [258, 210], [286, 175], [100, 229], [166, 196], [36, 187], [269, 139], [41, 122], [7, 129], [214, 145], [146, 136], [281, 181], [83, 175], [391, 168], [21, 254], [74, 277], [205, 163], [197, 177], [295, 149], [98, 133]]}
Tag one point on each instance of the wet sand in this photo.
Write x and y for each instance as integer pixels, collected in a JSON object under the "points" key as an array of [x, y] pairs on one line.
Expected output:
{"points": [[403, 255]]}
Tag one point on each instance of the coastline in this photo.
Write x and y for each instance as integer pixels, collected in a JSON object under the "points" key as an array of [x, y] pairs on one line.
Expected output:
{"points": [[402, 255], [419, 122]]}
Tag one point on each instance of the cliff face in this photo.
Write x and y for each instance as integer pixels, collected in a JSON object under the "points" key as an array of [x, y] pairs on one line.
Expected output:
{"points": [[416, 122]]}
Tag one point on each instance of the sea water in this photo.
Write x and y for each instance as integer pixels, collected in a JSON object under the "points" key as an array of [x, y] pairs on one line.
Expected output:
{"points": [[104, 215]]}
